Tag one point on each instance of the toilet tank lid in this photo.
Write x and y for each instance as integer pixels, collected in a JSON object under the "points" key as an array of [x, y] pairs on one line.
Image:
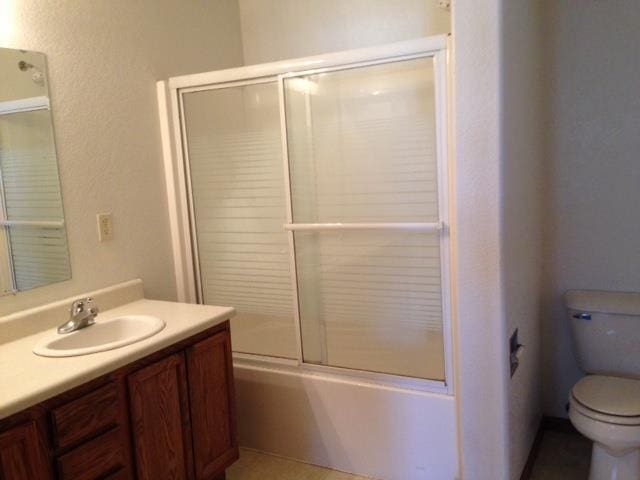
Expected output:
{"points": [[622, 303]]}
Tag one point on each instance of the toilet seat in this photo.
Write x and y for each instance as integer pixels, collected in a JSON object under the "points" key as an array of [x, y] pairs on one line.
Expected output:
{"points": [[602, 417], [612, 400]]}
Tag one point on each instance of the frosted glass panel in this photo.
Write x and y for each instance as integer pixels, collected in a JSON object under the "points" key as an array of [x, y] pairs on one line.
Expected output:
{"points": [[371, 301], [362, 144], [362, 149], [234, 142]]}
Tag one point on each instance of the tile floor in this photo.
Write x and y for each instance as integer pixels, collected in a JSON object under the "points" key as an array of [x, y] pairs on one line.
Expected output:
{"points": [[259, 466], [562, 456]]}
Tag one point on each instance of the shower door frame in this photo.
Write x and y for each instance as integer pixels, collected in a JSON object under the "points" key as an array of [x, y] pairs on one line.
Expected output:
{"points": [[181, 212]]}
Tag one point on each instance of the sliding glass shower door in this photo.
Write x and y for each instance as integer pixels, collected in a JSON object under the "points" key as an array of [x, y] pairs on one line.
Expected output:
{"points": [[235, 160], [362, 154], [318, 210]]}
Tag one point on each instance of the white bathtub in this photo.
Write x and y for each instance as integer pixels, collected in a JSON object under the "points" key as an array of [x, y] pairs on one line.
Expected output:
{"points": [[364, 428]]}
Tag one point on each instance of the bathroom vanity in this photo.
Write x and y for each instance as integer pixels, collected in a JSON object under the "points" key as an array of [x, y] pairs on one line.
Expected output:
{"points": [[162, 408]]}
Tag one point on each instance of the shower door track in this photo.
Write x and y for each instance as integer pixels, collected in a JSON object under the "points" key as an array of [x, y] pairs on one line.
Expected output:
{"points": [[181, 212]]}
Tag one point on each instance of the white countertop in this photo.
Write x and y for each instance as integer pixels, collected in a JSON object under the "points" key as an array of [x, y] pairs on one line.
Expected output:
{"points": [[27, 379]]}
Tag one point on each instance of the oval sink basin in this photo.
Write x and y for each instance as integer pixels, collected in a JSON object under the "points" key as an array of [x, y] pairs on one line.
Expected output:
{"points": [[99, 337]]}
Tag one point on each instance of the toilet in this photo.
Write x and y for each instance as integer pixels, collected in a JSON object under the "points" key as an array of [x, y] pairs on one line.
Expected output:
{"points": [[605, 405]]}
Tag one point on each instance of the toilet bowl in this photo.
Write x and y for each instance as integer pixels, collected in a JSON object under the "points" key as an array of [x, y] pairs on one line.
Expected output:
{"points": [[605, 405], [607, 410]]}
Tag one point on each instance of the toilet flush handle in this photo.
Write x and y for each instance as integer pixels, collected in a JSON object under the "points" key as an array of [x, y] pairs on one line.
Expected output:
{"points": [[582, 316]]}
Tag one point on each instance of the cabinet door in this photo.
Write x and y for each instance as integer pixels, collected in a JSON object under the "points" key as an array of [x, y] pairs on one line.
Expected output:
{"points": [[160, 420], [211, 395], [22, 456]]}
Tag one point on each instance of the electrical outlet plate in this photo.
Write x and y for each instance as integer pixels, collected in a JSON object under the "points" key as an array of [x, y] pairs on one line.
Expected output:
{"points": [[105, 227]]}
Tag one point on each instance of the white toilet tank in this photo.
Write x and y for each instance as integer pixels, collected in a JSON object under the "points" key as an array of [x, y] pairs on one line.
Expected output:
{"points": [[606, 331]]}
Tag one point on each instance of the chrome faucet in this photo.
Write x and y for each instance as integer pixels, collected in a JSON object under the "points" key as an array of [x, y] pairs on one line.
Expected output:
{"points": [[79, 316]]}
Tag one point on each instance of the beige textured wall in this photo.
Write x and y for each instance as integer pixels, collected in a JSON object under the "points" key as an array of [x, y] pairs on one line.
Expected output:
{"points": [[281, 29], [482, 381], [14, 83], [594, 177], [104, 57], [522, 215]]}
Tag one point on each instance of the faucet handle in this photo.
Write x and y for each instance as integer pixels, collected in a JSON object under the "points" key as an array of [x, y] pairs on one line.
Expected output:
{"points": [[93, 313], [78, 305]]}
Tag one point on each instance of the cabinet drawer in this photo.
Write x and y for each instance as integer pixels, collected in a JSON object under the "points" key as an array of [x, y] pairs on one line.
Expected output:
{"points": [[95, 459], [85, 416]]}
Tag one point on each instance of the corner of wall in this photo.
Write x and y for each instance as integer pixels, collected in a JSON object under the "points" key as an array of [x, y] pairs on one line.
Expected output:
{"points": [[481, 391], [522, 144]]}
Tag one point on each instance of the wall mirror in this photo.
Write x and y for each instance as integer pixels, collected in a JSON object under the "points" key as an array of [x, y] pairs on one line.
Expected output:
{"points": [[33, 239]]}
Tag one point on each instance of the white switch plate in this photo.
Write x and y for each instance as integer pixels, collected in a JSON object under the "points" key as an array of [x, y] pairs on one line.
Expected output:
{"points": [[105, 227]]}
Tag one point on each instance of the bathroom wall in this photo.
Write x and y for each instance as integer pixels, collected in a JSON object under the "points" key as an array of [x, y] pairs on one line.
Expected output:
{"points": [[104, 58], [16, 83], [281, 29], [481, 361], [594, 236], [522, 215], [499, 160]]}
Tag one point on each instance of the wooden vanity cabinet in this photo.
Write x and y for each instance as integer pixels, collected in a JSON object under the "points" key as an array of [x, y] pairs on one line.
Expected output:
{"points": [[168, 416], [22, 454], [160, 420], [211, 394]]}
